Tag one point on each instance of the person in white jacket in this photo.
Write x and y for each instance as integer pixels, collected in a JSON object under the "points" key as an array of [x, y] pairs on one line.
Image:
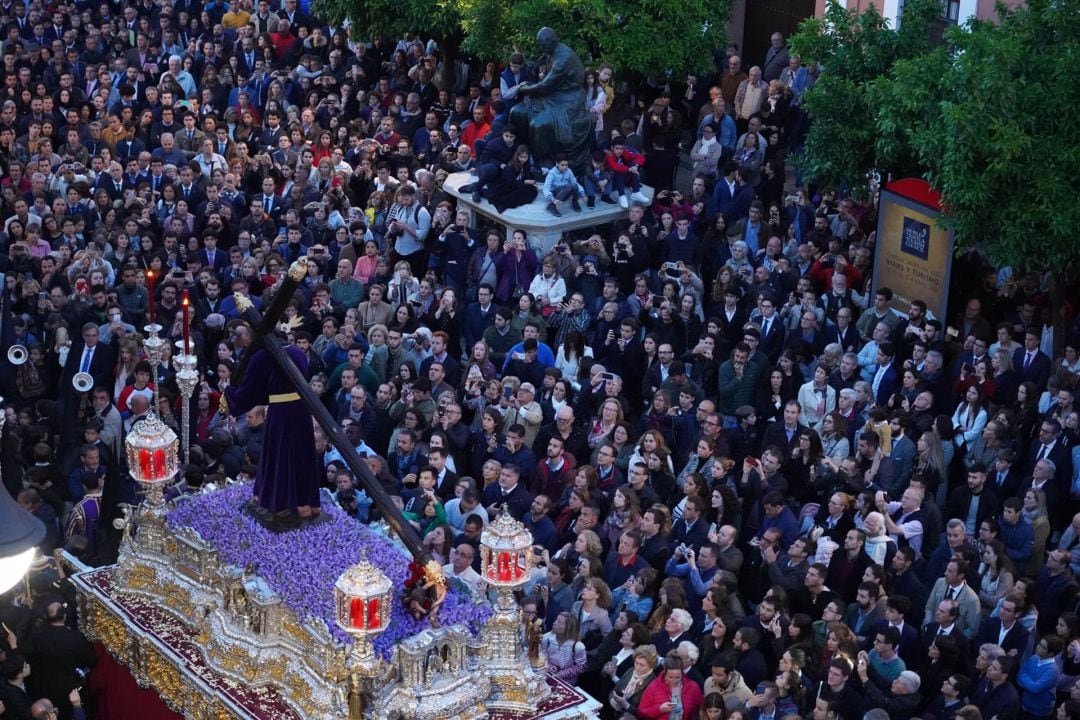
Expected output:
{"points": [[548, 287], [817, 398]]}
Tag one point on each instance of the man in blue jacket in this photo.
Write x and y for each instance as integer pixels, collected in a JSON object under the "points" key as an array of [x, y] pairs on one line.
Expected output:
{"points": [[1038, 678]]}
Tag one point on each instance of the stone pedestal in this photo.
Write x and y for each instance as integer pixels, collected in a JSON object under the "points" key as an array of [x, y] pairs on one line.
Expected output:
{"points": [[544, 230]]}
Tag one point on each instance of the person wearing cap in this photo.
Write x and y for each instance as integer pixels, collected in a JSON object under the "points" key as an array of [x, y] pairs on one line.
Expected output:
{"points": [[523, 409]]}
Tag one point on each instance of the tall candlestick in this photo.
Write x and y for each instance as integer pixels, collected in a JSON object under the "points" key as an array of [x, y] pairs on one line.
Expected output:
{"points": [[186, 305], [150, 289]]}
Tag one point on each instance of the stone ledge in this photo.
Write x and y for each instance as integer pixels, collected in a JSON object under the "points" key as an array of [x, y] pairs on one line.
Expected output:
{"points": [[543, 229]]}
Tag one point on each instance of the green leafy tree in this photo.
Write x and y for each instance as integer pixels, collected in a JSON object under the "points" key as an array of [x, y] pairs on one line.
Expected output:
{"points": [[644, 37], [853, 50], [393, 18], [991, 118]]}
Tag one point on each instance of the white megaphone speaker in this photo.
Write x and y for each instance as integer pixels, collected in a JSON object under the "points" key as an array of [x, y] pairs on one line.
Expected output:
{"points": [[82, 382], [17, 354]]}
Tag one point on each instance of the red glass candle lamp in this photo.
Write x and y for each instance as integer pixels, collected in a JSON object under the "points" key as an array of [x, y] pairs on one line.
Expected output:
{"points": [[362, 597], [153, 457], [505, 552]]}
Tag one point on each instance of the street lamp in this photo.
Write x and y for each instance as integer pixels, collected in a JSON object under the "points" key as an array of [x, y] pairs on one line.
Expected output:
{"points": [[20, 533]]}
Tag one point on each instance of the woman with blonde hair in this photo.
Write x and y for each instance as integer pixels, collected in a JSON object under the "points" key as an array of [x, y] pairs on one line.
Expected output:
{"points": [[127, 359], [402, 285], [626, 696], [565, 653], [609, 416], [587, 542]]}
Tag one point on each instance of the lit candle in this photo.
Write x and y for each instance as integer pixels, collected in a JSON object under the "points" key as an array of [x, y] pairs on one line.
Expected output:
{"points": [[186, 305], [356, 612], [504, 567], [144, 463], [159, 464], [150, 289], [373, 614]]}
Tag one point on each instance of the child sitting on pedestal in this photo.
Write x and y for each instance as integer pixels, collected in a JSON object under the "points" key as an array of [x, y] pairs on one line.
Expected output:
{"points": [[560, 185]]}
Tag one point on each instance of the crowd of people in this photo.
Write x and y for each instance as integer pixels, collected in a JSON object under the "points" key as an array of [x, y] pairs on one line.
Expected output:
{"points": [[756, 491]]}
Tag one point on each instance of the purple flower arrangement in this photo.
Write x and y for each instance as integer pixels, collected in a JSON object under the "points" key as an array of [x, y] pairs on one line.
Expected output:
{"points": [[302, 565]]}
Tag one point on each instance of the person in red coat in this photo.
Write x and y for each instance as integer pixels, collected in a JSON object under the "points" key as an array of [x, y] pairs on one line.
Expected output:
{"points": [[670, 690]]}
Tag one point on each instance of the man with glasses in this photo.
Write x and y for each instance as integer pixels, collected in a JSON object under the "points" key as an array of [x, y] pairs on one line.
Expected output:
{"points": [[659, 372]]}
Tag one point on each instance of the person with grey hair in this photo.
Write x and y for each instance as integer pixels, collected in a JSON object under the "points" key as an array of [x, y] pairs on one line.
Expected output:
{"points": [[899, 699], [674, 631], [180, 75]]}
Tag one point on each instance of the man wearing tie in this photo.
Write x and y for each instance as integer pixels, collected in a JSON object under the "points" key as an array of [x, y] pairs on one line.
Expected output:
{"points": [[1031, 363], [189, 140], [271, 205], [212, 258], [91, 357], [1005, 480], [954, 587], [1050, 446], [772, 329]]}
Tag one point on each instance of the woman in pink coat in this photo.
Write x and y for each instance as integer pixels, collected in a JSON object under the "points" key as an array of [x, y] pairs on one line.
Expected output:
{"points": [[671, 695]]}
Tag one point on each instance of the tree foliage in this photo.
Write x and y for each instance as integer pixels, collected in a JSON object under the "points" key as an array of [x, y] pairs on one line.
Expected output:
{"points": [[643, 36], [392, 18], [854, 49], [991, 116]]}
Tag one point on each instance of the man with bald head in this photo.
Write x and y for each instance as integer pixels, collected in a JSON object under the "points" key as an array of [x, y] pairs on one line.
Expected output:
{"points": [[58, 651], [564, 426]]}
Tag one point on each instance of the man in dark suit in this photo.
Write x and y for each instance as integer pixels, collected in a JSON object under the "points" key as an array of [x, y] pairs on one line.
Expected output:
{"points": [[57, 652], [843, 332], [654, 543], [772, 329], [884, 382], [479, 315], [1005, 478], [1005, 630], [212, 258], [1030, 363], [727, 187], [691, 529], [659, 372], [15, 670], [784, 433], [1050, 445], [89, 356], [944, 623], [905, 581], [987, 504], [897, 607], [508, 492]]}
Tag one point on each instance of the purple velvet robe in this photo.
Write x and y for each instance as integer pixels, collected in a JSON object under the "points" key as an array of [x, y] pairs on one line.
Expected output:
{"points": [[287, 477]]}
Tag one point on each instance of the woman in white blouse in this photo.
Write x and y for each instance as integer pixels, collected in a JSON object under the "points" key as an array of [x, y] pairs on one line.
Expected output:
{"points": [[970, 417]]}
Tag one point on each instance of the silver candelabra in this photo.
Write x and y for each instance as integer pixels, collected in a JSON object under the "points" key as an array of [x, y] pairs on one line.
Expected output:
{"points": [[186, 378]]}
